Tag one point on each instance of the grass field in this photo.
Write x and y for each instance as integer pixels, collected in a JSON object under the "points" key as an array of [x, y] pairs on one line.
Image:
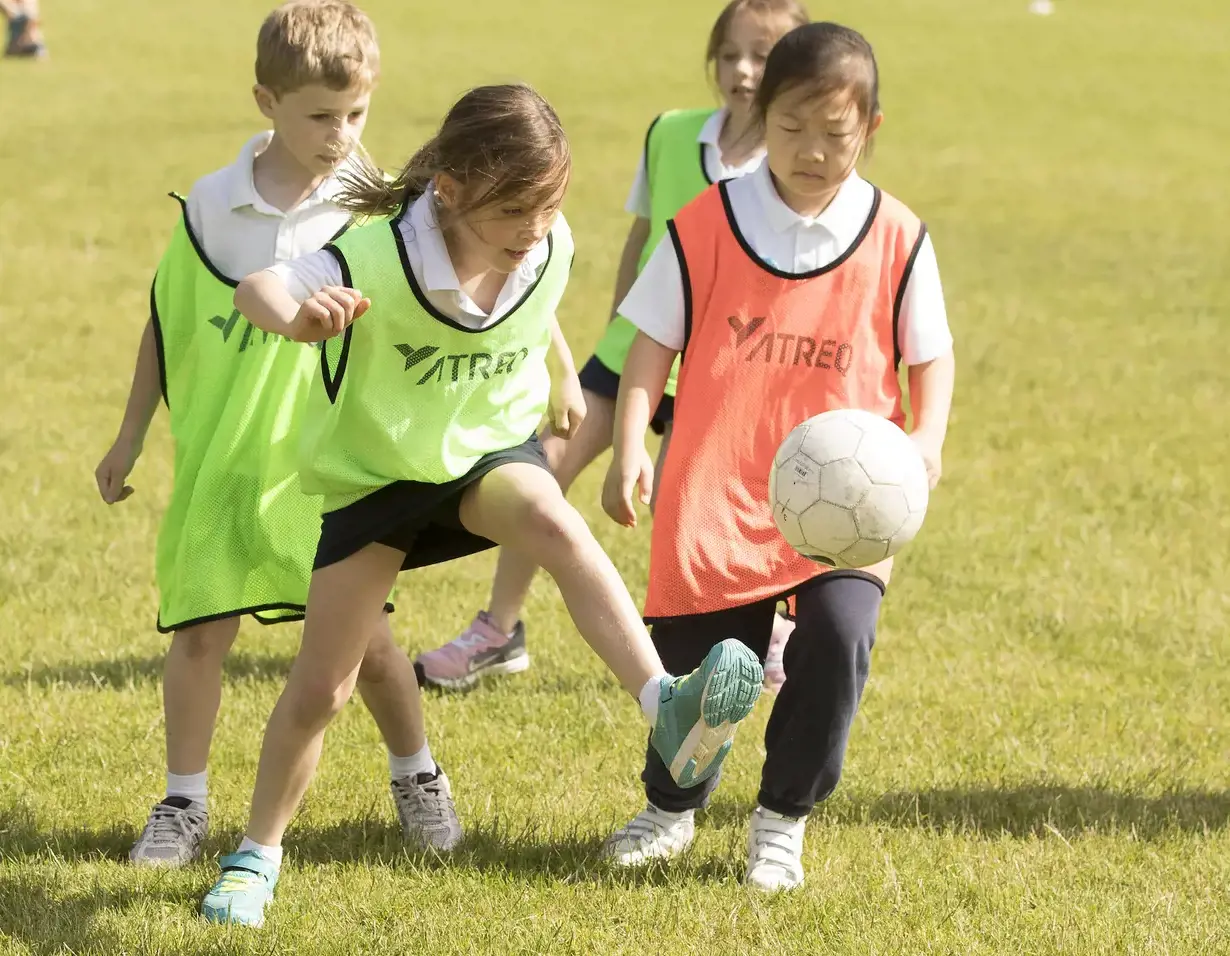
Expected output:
{"points": [[1042, 760]]}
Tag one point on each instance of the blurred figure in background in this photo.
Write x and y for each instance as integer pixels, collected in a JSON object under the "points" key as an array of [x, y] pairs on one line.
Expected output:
{"points": [[25, 38]]}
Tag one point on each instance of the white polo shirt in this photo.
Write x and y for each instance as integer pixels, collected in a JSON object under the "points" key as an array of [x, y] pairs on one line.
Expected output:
{"points": [[638, 203], [794, 243], [241, 233], [433, 269]]}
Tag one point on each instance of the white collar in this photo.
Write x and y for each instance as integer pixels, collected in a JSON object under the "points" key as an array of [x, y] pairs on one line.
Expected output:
{"points": [[843, 218], [438, 272], [710, 135], [243, 192], [711, 132]]}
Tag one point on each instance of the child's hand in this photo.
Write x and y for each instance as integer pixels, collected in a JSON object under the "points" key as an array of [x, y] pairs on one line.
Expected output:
{"points": [[567, 407], [930, 446], [634, 473], [114, 470], [327, 313]]}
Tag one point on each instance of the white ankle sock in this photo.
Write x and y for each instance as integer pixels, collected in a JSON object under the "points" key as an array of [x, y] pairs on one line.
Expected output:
{"points": [[271, 853], [421, 762], [649, 697], [190, 785]]}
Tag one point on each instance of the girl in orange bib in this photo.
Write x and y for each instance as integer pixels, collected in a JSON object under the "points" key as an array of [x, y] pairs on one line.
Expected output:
{"points": [[798, 289]]}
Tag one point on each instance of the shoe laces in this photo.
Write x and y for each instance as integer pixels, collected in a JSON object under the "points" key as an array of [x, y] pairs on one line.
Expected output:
{"points": [[428, 804], [481, 635], [168, 826]]}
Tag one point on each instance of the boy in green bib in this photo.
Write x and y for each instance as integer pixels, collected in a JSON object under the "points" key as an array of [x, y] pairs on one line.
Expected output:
{"points": [[685, 152], [238, 536], [420, 435]]}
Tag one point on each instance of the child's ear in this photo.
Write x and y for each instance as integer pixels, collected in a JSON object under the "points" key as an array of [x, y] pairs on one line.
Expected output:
{"points": [[874, 125], [266, 99], [448, 189]]}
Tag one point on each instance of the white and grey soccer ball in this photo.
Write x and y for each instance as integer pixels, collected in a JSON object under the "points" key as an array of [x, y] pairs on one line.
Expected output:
{"points": [[848, 489]]}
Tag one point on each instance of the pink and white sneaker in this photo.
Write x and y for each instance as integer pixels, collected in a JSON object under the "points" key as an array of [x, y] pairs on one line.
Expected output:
{"points": [[774, 669], [481, 650]]}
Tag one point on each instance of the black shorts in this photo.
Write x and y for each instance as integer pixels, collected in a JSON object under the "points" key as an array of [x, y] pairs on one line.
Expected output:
{"points": [[417, 517], [600, 380]]}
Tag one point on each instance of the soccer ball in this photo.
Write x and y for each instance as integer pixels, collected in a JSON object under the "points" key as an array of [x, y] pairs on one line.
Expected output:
{"points": [[848, 489]]}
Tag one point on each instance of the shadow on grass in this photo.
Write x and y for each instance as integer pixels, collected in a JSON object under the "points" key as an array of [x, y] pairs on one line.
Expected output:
{"points": [[20, 837], [121, 672], [525, 850], [1020, 811], [51, 923]]}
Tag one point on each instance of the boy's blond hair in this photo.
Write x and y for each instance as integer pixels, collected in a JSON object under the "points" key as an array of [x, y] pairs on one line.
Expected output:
{"points": [[330, 42]]}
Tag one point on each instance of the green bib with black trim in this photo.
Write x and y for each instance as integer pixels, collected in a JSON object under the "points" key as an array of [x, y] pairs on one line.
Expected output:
{"points": [[238, 536], [675, 173], [408, 394]]}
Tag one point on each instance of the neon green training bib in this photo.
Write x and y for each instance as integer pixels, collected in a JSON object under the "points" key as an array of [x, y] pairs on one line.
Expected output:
{"points": [[406, 393], [238, 536], [675, 170]]}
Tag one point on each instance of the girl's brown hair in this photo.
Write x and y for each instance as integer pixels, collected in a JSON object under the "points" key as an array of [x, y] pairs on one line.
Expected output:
{"points": [[499, 142], [825, 59], [792, 10]]}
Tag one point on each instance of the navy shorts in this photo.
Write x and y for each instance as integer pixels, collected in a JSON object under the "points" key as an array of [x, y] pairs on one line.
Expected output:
{"points": [[417, 517], [597, 378]]}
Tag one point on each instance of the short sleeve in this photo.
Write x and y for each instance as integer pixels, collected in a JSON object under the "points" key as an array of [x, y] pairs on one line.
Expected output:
{"points": [[309, 274], [922, 326], [654, 304]]}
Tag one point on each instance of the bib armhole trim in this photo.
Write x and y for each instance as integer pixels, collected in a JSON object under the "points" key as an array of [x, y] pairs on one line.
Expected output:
{"points": [[701, 158], [685, 280], [333, 383], [159, 350], [198, 248], [899, 298]]}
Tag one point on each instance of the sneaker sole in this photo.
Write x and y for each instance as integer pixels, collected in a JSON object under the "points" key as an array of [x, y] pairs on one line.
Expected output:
{"points": [[155, 864], [513, 666], [733, 681], [222, 915]]}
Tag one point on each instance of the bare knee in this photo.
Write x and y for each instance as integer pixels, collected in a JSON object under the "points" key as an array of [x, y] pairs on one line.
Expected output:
{"points": [[377, 662], [205, 643], [552, 532], [315, 700]]}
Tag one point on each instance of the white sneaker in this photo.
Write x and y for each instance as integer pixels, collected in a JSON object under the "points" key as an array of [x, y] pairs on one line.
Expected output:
{"points": [[173, 834], [774, 851], [652, 834], [425, 807]]}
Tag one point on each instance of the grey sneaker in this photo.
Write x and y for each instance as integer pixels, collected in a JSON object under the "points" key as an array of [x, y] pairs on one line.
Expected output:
{"points": [[173, 834], [425, 807]]}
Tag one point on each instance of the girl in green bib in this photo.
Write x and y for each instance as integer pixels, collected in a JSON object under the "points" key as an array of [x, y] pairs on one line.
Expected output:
{"points": [[685, 152], [420, 435]]}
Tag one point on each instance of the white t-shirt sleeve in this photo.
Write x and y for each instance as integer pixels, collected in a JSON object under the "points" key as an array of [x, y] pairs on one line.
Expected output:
{"points": [[922, 327], [639, 203], [654, 304], [309, 274]]}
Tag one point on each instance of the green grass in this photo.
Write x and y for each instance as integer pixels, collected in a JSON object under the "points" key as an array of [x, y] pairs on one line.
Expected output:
{"points": [[1041, 761]]}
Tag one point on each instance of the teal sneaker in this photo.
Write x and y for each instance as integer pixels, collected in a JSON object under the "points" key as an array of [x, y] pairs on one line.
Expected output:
{"points": [[698, 714], [243, 890]]}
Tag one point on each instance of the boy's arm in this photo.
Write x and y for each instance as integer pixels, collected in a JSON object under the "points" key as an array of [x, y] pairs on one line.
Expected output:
{"points": [[143, 398], [634, 246], [931, 385]]}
